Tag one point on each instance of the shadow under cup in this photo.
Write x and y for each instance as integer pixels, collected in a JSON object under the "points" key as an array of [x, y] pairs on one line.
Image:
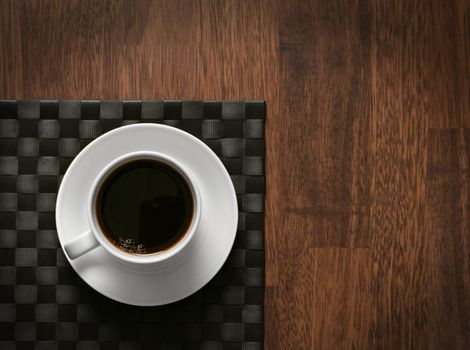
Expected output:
{"points": [[144, 206]]}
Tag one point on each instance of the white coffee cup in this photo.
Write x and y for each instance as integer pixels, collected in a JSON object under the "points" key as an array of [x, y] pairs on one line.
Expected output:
{"points": [[94, 236]]}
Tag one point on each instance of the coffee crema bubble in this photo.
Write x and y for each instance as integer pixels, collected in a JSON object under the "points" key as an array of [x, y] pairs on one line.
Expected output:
{"points": [[130, 246]]}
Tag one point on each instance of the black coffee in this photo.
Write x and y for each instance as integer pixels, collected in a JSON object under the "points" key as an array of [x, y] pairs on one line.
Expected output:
{"points": [[144, 206]]}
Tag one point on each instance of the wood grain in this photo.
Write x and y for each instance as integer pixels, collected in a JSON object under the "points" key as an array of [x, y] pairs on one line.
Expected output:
{"points": [[399, 131], [367, 232], [448, 226]]}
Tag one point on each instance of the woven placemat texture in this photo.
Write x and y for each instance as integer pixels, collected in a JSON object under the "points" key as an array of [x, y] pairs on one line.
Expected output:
{"points": [[44, 304]]}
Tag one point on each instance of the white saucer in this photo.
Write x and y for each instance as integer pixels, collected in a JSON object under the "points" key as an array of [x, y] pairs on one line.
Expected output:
{"points": [[212, 241]]}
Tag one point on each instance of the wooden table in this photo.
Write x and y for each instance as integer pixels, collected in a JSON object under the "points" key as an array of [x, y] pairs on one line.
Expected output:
{"points": [[368, 141]]}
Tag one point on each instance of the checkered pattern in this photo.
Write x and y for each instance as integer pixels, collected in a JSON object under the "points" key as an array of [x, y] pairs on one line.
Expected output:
{"points": [[45, 305]]}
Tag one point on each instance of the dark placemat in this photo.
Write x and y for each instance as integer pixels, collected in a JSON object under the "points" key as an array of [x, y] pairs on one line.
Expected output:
{"points": [[43, 302]]}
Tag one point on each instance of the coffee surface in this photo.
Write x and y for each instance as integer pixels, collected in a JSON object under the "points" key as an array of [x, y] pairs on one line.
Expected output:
{"points": [[144, 207]]}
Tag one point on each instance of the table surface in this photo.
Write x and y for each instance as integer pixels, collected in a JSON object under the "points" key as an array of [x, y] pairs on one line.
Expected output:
{"points": [[368, 141]]}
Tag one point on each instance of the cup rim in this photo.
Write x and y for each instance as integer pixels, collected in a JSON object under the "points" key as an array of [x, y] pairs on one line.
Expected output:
{"points": [[148, 258]]}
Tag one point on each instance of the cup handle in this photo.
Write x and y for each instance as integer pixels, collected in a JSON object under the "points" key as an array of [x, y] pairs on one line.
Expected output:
{"points": [[81, 245]]}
